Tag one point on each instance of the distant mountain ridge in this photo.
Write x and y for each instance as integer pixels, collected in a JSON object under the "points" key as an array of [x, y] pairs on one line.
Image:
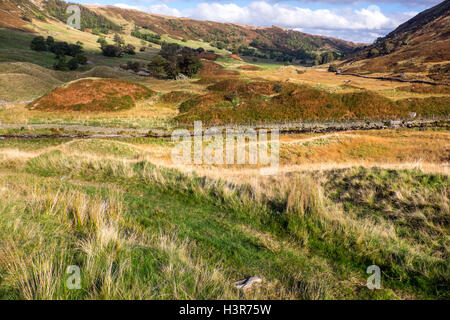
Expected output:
{"points": [[272, 42], [419, 48]]}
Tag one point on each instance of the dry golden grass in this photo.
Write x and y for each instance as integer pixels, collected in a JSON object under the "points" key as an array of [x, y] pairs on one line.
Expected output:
{"points": [[320, 77]]}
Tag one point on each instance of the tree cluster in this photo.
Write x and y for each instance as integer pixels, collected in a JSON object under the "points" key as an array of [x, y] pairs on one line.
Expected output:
{"points": [[61, 49], [154, 38], [174, 59], [118, 49]]}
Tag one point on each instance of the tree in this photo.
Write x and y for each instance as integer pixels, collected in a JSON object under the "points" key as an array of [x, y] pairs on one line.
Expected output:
{"points": [[135, 66], [102, 41], [169, 49], [388, 47], [72, 64], [50, 41], [60, 48], [171, 67], [74, 49], [118, 40], [80, 58], [189, 65], [38, 44], [156, 66], [61, 63]]}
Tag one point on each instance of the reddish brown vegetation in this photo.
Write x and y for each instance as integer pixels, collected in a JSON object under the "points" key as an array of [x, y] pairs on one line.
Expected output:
{"points": [[176, 96], [241, 102], [236, 57], [208, 56], [93, 95], [212, 72], [249, 68], [422, 88], [15, 17]]}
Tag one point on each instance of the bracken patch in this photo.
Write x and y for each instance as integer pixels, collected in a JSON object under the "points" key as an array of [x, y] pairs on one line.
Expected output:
{"points": [[93, 95]]}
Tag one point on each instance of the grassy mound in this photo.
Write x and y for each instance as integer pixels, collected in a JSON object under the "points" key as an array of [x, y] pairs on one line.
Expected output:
{"points": [[212, 72], [93, 95], [246, 88], [25, 81], [177, 96], [19, 87], [255, 102], [104, 72]]}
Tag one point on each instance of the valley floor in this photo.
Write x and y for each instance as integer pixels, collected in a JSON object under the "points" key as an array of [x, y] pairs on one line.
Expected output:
{"points": [[140, 227]]}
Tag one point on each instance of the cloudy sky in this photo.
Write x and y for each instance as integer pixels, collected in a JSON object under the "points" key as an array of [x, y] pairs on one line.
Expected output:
{"points": [[354, 20]]}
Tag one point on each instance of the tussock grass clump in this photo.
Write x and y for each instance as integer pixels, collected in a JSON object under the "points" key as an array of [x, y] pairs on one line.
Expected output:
{"points": [[46, 228], [417, 204]]}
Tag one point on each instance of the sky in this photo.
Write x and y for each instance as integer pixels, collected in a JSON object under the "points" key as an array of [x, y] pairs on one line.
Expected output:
{"points": [[353, 20]]}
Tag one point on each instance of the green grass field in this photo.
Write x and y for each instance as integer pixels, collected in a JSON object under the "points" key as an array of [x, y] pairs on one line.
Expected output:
{"points": [[129, 224]]}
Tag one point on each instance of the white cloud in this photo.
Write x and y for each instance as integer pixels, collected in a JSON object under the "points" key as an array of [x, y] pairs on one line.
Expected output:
{"points": [[360, 25], [263, 14], [127, 6], [164, 9]]}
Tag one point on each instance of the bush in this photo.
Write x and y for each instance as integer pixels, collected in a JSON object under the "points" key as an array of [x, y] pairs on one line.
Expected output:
{"points": [[135, 66], [129, 49], [111, 51], [332, 68], [72, 64], [61, 64], [80, 59], [374, 53], [38, 44], [102, 41], [50, 41]]}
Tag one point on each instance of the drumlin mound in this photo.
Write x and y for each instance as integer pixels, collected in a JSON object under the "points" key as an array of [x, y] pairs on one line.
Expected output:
{"points": [[93, 95]]}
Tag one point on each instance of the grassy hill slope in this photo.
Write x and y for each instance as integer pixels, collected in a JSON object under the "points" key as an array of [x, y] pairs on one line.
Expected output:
{"points": [[419, 48]]}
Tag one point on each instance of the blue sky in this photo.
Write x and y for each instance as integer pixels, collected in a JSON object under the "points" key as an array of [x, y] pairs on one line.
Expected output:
{"points": [[354, 20]]}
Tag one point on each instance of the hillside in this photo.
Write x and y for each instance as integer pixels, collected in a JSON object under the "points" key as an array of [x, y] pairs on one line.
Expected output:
{"points": [[273, 43], [419, 48]]}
